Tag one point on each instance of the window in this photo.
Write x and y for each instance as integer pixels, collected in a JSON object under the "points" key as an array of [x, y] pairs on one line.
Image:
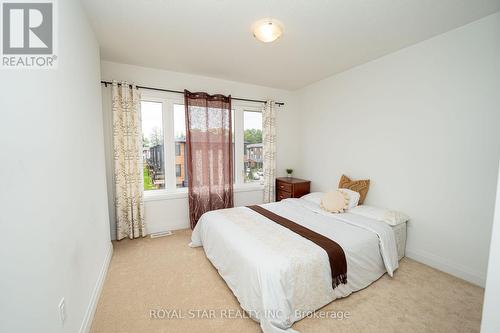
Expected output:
{"points": [[252, 147], [164, 147], [152, 145]]}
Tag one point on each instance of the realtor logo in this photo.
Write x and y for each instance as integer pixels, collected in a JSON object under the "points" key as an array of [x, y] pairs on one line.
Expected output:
{"points": [[28, 34]]}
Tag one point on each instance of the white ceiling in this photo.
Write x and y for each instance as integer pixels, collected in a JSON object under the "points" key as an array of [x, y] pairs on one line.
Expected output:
{"points": [[321, 37]]}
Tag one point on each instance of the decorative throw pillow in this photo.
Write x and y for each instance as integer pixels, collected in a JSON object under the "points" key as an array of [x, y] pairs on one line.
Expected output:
{"points": [[360, 186], [334, 202]]}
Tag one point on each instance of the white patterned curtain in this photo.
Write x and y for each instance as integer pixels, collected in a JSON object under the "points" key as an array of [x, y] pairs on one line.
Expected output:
{"points": [[129, 182], [269, 150]]}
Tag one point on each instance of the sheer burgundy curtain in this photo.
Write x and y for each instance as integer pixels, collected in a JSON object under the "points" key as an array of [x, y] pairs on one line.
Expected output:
{"points": [[209, 153]]}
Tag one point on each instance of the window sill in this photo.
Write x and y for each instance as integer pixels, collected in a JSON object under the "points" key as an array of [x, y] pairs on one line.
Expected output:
{"points": [[182, 193], [248, 187], [165, 194]]}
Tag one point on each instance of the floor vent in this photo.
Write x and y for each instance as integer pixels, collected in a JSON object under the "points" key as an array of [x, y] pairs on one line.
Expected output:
{"points": [[161, 234]]}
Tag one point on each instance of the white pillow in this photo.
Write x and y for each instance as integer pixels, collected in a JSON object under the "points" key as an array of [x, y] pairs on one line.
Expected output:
{"points": [[314, 197], [391, 217], [352, 195]]}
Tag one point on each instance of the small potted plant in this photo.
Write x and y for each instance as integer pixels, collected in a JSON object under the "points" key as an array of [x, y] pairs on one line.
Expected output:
{"points": [[289, 173]]}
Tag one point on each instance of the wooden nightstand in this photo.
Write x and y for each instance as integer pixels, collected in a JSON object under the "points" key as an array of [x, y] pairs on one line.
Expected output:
{"points": [[287, 187]]}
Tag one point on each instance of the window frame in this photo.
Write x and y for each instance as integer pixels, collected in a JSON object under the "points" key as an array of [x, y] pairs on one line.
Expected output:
{"points": [[171, 191]]}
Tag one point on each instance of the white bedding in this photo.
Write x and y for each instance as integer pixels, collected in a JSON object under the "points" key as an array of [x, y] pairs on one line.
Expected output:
{"points": [[277, 275]]}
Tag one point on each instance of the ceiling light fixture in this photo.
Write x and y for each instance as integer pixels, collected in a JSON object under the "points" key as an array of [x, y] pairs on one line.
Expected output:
{"points": [[267, 30]]}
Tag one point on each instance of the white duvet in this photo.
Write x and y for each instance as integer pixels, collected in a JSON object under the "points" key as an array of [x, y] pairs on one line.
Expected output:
{"points": [[279, 276]]}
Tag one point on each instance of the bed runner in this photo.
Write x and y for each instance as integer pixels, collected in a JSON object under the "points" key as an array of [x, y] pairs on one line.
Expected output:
{"points": [[336, 255]]}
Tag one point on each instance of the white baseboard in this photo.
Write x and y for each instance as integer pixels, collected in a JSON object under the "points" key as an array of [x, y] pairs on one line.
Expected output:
{"points": [[446, 266], [89, 314]]}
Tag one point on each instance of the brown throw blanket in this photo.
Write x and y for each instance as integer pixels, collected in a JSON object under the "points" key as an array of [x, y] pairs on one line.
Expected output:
{"points": [[336, 255]]}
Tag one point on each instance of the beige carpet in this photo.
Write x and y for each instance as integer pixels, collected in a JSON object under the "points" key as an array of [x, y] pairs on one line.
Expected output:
{"points": [[164, 273]]}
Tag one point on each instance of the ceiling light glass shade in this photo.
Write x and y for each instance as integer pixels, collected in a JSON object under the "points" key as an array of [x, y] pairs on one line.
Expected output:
{"points": [[267, 30]]}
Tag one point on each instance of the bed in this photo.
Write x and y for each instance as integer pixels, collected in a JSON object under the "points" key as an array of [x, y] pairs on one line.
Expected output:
{"points": [[278, 276]]}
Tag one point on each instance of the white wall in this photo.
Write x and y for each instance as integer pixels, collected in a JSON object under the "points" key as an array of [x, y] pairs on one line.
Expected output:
{"points": [[172, 213], [54, 220], [423, 125], [491, 320]]}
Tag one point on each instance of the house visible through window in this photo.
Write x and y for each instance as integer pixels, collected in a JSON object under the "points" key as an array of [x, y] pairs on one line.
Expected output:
{"points": [[180, 145], [252, 146], [152, 145]]}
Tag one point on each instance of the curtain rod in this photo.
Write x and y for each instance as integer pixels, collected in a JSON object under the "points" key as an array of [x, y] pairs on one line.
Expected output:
{"points": [[182, 92]]}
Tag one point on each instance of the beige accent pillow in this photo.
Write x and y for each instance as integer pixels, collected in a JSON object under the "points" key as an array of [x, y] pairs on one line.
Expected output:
{"points": [[360, 186], [334, 202]]}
